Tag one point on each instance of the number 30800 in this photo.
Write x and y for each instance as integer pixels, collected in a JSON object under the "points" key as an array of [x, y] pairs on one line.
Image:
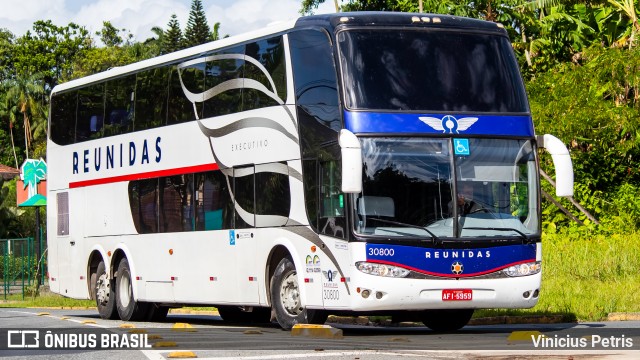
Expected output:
{"points": [[381, 252]]}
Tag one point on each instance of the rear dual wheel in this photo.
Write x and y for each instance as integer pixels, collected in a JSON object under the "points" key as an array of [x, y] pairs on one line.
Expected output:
{"points": [[104, 293], [128, 308]]}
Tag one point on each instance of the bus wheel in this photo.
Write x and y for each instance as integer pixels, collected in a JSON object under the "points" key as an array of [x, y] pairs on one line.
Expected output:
{"points": [[104, 293], [128, 307], [285, 298], [241, 314], [446, 320], [156, 312]]}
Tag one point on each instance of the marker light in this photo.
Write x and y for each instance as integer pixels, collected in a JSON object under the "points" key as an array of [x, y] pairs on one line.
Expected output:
{"points": [[381, 269], [531, 268]]}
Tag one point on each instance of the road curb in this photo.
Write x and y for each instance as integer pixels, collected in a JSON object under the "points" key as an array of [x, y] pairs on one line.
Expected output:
{"points": [[621, 316]]}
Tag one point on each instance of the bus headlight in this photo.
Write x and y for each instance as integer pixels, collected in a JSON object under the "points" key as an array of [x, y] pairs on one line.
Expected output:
{"points": [[531, 268], [381, 269]]}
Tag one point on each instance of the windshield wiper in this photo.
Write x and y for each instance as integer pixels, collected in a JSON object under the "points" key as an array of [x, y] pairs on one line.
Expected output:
{"points": [[523, 235], [434, 237]]}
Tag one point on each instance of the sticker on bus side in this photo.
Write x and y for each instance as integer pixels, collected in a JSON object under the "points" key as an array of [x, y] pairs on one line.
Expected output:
{"points": [[232, 237], [461, 146]]}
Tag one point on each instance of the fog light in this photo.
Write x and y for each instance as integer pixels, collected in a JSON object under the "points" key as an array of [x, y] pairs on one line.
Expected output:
{"points": [[379, 295], [365, 293], [536, 293], [526, 294]]}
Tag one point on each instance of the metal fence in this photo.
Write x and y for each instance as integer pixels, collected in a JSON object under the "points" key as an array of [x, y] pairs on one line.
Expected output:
{"points": [[18, 265]]}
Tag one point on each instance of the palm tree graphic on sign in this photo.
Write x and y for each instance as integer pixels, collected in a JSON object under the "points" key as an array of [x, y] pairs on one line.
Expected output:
{"points": [[33, 171]]}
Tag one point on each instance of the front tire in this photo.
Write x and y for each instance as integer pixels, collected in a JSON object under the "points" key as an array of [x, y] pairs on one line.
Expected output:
{"points": [[128, 308], [105, 294], [446, 320], [286, 301]]}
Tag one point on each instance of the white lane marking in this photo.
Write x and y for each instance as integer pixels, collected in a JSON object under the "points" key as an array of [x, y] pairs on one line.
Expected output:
{"points": [[59, 318]]}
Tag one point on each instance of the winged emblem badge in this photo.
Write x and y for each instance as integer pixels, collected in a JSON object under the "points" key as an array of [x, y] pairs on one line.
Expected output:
{"points": [[448, 123]]}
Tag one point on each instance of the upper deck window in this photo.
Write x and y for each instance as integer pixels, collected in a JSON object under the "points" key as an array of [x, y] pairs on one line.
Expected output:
{"points": [[430, 70]]}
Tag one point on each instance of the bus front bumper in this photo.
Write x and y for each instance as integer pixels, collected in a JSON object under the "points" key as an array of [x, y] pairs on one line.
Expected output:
{"points": [[374, 293]]}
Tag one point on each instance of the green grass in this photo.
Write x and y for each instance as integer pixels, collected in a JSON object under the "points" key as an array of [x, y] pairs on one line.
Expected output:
{"points": [[584, 278], [44, 301]]}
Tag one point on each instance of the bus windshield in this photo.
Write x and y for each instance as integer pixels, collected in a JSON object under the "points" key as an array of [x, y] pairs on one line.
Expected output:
{"points": [[408, 189], [430, 70]]}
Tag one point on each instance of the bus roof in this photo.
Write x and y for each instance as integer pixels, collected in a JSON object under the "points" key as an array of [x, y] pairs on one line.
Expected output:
{"points": [[175, 56], [381, 18], [327, 21]]}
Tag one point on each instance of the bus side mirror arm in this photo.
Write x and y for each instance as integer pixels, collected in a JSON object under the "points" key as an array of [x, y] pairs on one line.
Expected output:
{"points": [[351, 162], [561, 163]]}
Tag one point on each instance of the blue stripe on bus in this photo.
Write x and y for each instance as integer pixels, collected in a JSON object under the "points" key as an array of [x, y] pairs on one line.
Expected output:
{"points": [[441, 262], [499, 125]]}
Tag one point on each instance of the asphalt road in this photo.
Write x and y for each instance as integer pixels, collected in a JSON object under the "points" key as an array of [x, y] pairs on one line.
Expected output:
{"points": [[206, 336]]}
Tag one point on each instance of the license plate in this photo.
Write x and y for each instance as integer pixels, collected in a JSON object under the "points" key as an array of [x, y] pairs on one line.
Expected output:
{"points": [[457, 295]]}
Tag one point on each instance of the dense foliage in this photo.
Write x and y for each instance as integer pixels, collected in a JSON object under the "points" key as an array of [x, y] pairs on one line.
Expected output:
{"points": [[579, 59]]}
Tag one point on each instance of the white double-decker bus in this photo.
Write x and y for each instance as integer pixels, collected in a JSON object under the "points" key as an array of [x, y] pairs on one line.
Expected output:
{"points": [[356, 163]]}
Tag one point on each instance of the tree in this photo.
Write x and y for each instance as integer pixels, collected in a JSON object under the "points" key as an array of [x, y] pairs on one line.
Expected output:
{"points": [[24, 97], [109, 35], [6, 53], [197, 31], [50, 50], [172, 39], [215, 34]]}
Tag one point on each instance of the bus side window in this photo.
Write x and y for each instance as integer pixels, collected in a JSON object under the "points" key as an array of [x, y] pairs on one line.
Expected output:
{"points": [[119, 105], [63, 117], [90, 112], [218, 71], [151, 98], [176, 203], [273, 195], [243, 190], [214, 205], [332, 217], [270, 53], [144, 205], [179, 108]]}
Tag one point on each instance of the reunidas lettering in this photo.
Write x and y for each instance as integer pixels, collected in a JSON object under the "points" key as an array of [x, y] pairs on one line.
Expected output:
{"points": [[116, 156], [457, 254]]}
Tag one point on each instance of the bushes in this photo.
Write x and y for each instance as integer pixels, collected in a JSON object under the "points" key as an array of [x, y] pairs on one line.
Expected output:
{"points": [[16, 266], [594, 107]]}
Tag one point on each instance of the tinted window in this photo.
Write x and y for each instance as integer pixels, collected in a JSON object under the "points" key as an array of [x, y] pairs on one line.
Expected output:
{"points": [[310, 180], [143, 202], [319, 117], [176, 199], [313, 68], [425, 70], [179, 108], [214, 205], [63, 117], [192, 77], [332, 217], [274, 195], [119, 105], [223, 82], [90, 118], [270, 54], [243, 191], [316, 89], [152, 93]]}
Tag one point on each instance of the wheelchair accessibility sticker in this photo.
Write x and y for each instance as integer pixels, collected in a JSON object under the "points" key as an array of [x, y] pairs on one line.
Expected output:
{"points": [[461, 146]]}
